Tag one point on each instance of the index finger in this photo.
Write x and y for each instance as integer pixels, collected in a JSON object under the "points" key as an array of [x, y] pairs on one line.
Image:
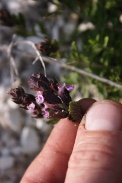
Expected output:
{"points": [[52, 162]]}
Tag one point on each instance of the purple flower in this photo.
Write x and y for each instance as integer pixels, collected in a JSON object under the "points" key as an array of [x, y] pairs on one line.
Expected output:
{"points": [[70, 87], [39, 98], [64, 93], [31, 107], [46, 113], [51, 101], [62, 87]]}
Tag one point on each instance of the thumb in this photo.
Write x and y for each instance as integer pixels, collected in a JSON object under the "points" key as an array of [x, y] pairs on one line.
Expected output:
{"points": [[97, 153]]}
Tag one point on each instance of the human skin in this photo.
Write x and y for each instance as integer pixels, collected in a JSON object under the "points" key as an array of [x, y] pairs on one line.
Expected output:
{"points": [[90, 152]]}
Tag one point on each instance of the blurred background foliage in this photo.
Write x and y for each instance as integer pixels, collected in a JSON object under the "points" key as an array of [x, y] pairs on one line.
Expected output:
{"points": [[91, 40]]}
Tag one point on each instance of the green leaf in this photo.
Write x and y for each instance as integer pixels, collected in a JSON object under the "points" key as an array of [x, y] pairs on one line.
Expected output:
{"points": [[75, 111], [52, 121]]}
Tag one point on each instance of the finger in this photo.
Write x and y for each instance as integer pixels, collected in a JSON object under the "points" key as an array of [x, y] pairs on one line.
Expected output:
{"points": [[97, 153], [54, 156], [51, 164]]}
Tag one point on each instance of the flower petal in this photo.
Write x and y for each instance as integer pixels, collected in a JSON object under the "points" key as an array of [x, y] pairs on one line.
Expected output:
{"points": [[39, 98], [69, 87], [31, 107]]}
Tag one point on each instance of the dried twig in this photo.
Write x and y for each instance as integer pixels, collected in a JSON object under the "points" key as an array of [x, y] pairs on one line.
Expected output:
{"points": [[69, 67], [36, 51], [81, 71], [13, 67]]}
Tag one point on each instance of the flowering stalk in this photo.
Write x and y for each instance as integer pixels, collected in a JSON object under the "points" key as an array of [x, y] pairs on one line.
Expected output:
{"points": [[52, 100], [47, 47]]}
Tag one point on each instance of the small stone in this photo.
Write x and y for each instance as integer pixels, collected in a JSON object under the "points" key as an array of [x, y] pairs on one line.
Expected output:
{"points": [[5, 151], [2, 93], [39, 123], [17, 150], [15, 120], [43, 126], [6, 162], [29, 140], [52, 8], [9, 139], [29, 120], [11, 104]]}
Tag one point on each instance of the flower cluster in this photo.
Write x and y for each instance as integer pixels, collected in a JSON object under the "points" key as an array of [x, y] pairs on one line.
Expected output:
{"points": [[47, 46], [51, 99]]}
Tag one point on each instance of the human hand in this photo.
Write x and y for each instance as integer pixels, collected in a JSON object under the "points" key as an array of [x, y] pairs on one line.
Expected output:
{"points": [[75, 154]]}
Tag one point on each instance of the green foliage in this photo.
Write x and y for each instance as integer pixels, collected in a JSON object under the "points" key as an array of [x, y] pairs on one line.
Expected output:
{"points": [[102, 45], [20, 25]]}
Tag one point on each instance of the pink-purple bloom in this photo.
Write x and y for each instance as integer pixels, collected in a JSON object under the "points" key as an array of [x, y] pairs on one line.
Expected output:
{"points": [[31, 107], [39, 98], [46, 113], [52, 99], [69, 87], [62, 87]]}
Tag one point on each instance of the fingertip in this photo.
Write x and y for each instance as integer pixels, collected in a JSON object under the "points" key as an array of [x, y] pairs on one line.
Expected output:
{"points": [[104, 115]]}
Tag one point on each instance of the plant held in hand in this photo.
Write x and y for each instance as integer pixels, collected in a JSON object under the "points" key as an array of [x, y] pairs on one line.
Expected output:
{"points": [[52, 100]]}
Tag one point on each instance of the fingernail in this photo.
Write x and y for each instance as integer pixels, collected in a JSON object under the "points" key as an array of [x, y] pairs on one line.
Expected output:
{"points": [[105, 115]]}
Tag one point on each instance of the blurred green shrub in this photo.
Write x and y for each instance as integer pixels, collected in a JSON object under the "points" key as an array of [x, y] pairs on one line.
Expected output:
{"points": [[102, 45]]}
